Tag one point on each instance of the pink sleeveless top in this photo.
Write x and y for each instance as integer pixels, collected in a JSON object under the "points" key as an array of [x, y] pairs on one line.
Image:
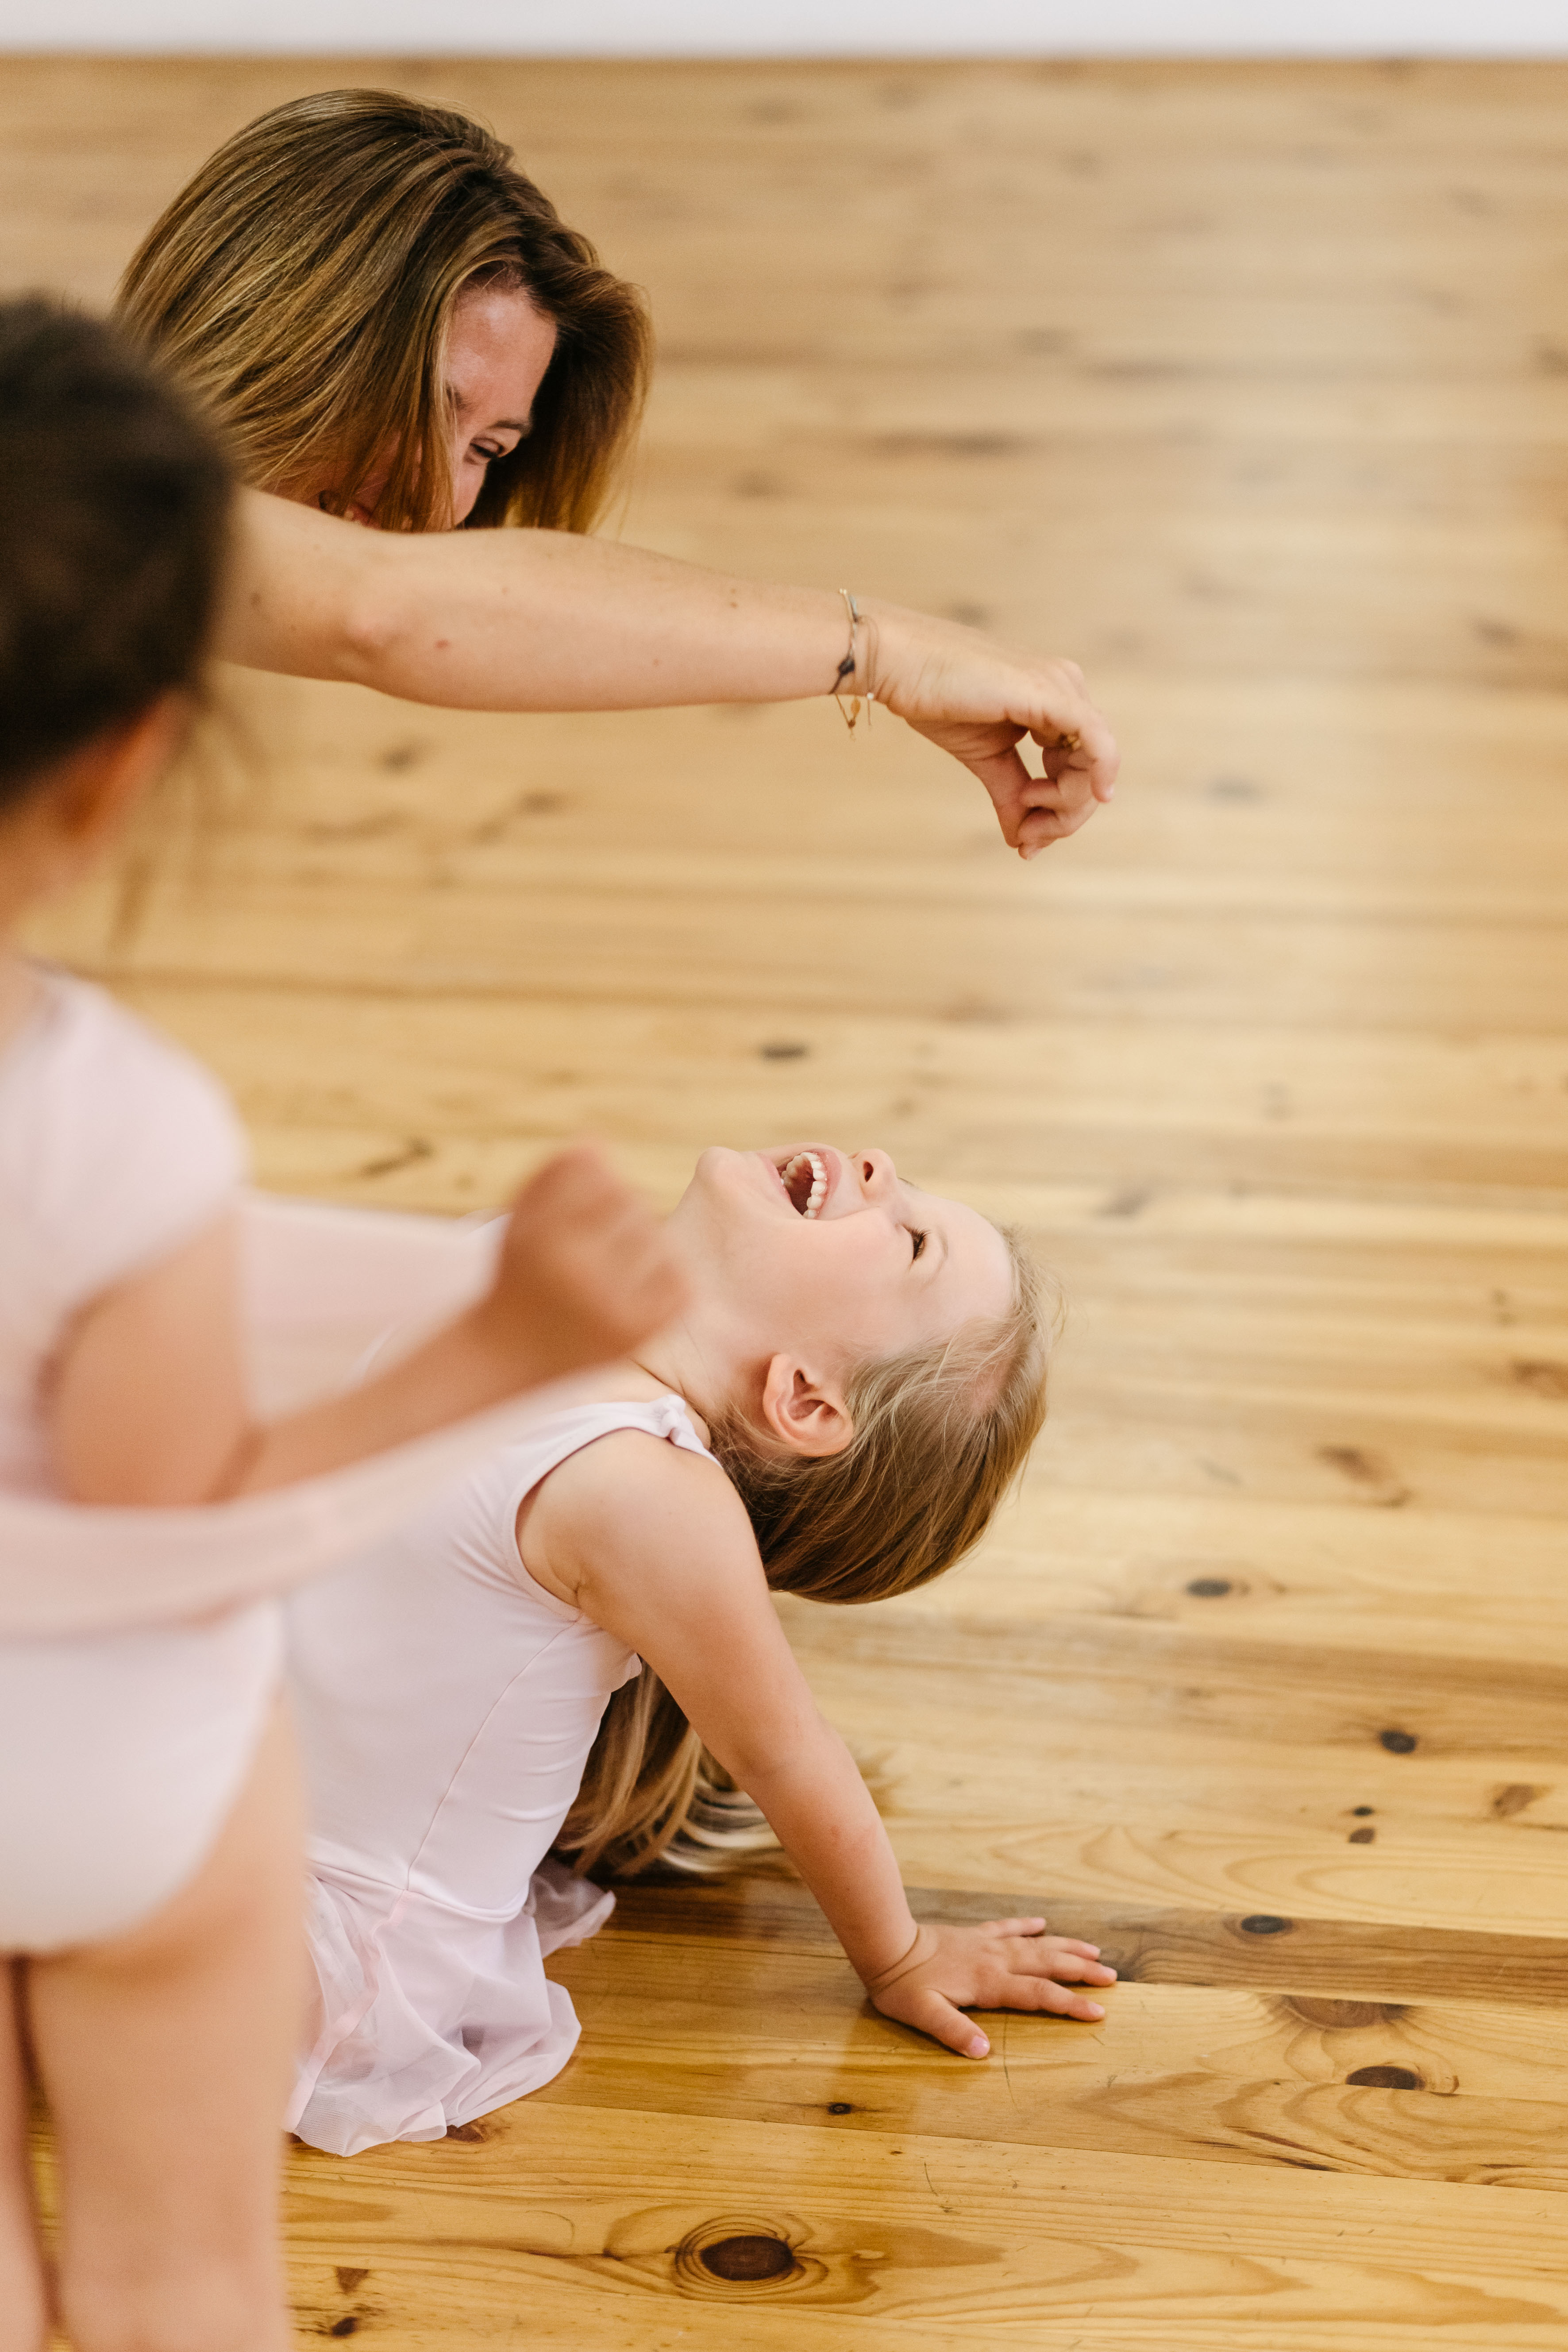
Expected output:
{"points": [[446, 1705]]}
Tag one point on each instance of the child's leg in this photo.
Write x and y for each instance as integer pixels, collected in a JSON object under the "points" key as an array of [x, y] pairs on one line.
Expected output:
{"points": [[22, 2304], [165, 2055]]}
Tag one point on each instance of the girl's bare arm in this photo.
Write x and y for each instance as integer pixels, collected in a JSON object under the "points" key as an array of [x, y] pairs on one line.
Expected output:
{"points": [[540, 620], [148, 1403], [656, 1546]]}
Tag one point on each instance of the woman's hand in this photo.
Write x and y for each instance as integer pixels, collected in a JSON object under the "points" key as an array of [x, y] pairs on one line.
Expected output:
{"points": [[980, 701], [1006, 1964]]}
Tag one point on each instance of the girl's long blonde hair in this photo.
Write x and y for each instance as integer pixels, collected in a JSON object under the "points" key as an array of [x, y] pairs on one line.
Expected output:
{"points": [[301, 286], [940, 1432]]}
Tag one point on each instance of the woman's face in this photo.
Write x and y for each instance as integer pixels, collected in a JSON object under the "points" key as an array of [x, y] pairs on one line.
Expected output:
{"points": [[832, 1257], [498, 350]]}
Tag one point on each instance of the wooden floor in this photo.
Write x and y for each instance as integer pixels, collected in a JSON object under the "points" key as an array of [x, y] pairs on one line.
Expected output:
{"points": [[1250, 388]]}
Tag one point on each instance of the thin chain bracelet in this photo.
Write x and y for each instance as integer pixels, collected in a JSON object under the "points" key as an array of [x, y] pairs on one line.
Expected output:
{"points": [[850, 668]]}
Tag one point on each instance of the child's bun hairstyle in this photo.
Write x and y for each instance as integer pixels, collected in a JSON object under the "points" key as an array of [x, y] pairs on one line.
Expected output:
{"points": [[113, 501], [941, 1433]]}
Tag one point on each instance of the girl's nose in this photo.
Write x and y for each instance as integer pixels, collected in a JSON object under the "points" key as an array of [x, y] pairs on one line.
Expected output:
{"points": [[876, 1171]]}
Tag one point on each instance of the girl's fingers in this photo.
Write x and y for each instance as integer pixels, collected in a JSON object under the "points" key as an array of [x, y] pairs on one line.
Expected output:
{"points": [[1070, 1968], [1023, 1927], [1062, 1957], [1039, 1992], [934, 2014]]}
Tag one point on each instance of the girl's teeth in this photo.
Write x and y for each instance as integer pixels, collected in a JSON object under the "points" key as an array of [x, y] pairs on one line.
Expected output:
{"points": [[818, 1193]]}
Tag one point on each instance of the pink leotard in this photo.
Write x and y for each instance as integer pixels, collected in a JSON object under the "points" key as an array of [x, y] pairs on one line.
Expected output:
{"points": [[445, 1705], [119, 1753]]}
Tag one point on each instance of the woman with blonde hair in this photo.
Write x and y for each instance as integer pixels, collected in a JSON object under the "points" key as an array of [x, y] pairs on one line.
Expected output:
{"points": [[391, 326], [851, 1388]]}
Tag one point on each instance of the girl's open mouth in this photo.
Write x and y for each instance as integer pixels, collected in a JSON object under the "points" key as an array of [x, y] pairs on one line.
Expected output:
{"points": [[805, 1179]]}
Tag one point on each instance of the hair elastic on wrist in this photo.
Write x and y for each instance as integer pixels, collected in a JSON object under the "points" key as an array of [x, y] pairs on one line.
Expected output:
{"points": [[911, 1957], [848, 670]]}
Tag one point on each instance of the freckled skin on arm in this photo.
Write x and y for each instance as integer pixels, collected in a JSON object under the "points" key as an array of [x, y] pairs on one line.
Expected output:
{"points": [[542, 620]]}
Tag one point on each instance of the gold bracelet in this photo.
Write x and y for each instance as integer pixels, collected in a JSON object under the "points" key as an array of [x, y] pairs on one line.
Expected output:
{"points": [[849, 669]]}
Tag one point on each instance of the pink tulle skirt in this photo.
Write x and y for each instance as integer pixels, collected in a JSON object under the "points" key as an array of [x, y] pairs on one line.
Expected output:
{"points": [[427, 2017]]}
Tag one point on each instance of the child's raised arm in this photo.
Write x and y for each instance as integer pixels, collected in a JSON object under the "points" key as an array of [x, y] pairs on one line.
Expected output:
{"points": [[148, 1401], [654, 1544]]}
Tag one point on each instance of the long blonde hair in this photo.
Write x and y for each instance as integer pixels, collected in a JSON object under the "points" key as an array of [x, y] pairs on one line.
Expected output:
{"points": [[301, 286], [940, 1432]]}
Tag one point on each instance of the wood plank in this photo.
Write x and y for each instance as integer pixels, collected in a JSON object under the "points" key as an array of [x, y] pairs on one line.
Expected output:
{"points": [[1245, 384], [1285, 1957], [1111, 1107], [971, 2242], [762, 948], [1349, 2082], [1256, 1694]]}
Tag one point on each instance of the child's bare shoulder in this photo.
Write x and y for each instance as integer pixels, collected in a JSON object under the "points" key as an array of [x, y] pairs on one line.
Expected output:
{"points": [[630, 1497], [611, 1486]]}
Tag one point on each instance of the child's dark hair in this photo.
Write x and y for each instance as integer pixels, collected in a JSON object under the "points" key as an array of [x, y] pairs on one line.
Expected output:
{"points": [[113, 502]]}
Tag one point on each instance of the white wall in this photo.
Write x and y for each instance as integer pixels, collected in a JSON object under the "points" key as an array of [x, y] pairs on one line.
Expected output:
{"points": [[795, 27]]}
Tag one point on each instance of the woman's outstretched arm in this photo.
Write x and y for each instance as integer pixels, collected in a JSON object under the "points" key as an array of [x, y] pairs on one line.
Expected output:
{"points": [[541, 620]]}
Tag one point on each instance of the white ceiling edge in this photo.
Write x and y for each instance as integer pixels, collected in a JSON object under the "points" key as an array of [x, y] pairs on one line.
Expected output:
{"points": [[822, 28]]}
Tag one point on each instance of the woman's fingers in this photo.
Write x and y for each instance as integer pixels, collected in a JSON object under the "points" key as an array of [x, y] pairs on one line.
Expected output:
{"points": [[1027, 805], [1090, 745], [977, 700], [1033, 811], [1053, 807]]}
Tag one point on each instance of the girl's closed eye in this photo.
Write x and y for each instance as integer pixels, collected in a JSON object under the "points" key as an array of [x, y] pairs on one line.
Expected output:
{"points": [[919, 1240]]}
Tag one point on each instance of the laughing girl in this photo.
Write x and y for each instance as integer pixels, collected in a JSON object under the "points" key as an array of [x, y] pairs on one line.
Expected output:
{"points": [[540, 1661]]}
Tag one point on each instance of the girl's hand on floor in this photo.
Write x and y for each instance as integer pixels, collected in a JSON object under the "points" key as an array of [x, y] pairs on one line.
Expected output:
{"points": [[586, 1269], [1006, 1964], [980, 701]]}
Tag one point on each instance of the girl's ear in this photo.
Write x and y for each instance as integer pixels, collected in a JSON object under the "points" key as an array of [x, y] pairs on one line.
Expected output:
{"points": [[807, 1415]]}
